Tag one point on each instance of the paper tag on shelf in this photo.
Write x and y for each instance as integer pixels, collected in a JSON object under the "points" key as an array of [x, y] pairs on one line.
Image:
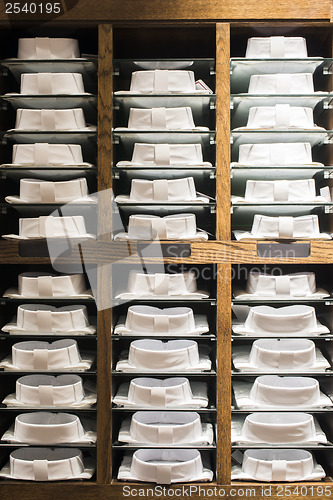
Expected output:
{"points": [[283, 250], [237, 457], [241, 312], [201, 85], [168, 250]]}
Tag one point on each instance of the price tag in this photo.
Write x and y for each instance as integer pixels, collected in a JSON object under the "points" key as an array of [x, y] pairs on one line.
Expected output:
{"points": [[166, 250], [283, 250]]}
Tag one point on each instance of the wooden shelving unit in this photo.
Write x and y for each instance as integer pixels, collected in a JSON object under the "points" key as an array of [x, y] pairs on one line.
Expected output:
{"points": [[221, 23]]}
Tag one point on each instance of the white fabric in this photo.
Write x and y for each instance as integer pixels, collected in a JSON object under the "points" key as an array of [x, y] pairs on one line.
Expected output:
{"points": [[280, 154], [278, 465], [161, 119], [276, 47], [265, 227], [43, 155], [51, 227], [274, 356], [159, 428], [44, 120], [151, 355], [41, 319], [162, 191], [175, 392], [277, 428], [280, 191], [164, 467], [40, 428], [163, 81], [48, 48], [150, 227], [294, 285], [46, 391], [149, 320], [51, 84], [39, 356], [280, 117], [170, 155], [41, 191], [162, 285], [47, 464], [274, 392], [281, 83], [42, 284], [295, 320], [327, 193]]}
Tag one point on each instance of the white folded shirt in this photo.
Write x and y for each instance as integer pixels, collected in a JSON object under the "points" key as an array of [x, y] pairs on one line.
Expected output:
{"points": [[295, 321], [51, 120], [284, 228], [277, 429], [279, 154], [163, 81], [164, 467], [166, 155], [151, 227], [151, 355], [61, 355], [280, 192], [163, 191], [278, 465], [51, 84], [48, 227], [159, 286], [276, 47], [295, 286], [161, 119], [47, 391], [41, 319], [172, 321], [272, 392], [41, 191], [284, 355], [42, 154], [175, 392], [40, 428], [281, 83], [280, 117], [33, 284], [163, 428], [48, 48], [47, 464]]}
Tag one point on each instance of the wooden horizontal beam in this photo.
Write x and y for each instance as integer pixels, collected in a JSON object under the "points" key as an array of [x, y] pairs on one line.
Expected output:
{"points": [[90, 491], [220, 252], [182, 10]]}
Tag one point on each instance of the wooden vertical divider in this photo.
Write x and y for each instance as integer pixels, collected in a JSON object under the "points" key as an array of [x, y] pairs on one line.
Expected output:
{"points": [[223, 131], [223, 379], [223, 232], [104, 273]]}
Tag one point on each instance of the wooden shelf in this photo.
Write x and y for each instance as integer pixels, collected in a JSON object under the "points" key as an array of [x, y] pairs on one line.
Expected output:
{"points": [[211, 252], [114, 490], [111, 19], [185, 10]]}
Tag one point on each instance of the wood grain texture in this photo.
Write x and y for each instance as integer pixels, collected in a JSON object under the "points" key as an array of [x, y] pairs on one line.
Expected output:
{"points": [[104, 383], [90, 491], [127, 10], [224, 252], [105, 76], [223, 333], [223, 131], [104, 273], [233, 252]]}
